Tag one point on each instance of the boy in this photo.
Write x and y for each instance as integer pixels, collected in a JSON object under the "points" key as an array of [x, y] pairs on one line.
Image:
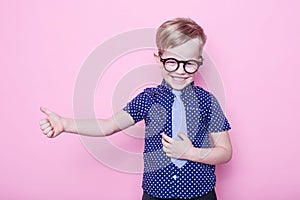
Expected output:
{"points": [[186, 130]]}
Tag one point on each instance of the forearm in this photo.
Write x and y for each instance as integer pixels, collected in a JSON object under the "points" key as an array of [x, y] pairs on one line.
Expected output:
{"points": [[213, 156], [98, 127], [89, 127]]}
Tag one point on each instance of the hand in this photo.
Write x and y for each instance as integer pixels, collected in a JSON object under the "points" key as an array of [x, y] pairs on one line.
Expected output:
{"points": [[52, 126], [181, 149]]}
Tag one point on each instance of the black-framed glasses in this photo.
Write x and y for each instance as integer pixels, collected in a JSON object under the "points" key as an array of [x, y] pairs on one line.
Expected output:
{"points": [[189, 66]]}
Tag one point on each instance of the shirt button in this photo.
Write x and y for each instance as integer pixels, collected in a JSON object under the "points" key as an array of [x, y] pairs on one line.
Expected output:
{"points": [[175, 177]]}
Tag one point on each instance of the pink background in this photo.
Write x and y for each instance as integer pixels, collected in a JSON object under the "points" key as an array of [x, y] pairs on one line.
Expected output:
{"points": [[254, 44]]}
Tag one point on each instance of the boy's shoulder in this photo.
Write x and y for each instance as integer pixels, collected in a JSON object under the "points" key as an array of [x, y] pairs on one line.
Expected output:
{"points": [[154, 90], [202, 92]]}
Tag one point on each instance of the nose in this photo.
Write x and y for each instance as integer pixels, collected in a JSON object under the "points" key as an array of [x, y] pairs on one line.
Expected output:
{"points": [[180, 69]]}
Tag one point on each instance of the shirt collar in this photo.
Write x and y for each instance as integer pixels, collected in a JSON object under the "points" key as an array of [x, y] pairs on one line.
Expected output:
{"points": [[169, 89]]}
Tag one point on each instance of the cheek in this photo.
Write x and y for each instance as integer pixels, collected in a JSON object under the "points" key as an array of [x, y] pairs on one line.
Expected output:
{"points": [[164, 73], [192, 76]]}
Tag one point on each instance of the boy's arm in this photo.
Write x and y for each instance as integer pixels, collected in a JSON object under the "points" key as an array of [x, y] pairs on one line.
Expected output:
{"points": [[54, 124], [220, 153]]}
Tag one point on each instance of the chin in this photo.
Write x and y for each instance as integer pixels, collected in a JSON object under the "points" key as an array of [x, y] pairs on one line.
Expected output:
{"points": [[178, 82], [178, 87]]}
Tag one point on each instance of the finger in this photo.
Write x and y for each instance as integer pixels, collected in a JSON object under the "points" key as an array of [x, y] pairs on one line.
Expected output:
{"points": [[45, 110], [182, 136], [167, 138], [166, 150], [50, 134], [43, 121], [47, 130], [44, 126], [165, 143], [170, 155]]}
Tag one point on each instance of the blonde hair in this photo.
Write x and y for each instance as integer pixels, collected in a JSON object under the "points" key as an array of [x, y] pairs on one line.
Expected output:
{"points": [[176, 32]]}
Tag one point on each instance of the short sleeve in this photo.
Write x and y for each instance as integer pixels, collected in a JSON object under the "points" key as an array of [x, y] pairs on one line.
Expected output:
{"points": [[217, 121], [139, 107]]}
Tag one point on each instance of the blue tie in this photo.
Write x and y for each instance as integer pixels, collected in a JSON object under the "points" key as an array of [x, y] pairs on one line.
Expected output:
{"points": [[178, 122]]}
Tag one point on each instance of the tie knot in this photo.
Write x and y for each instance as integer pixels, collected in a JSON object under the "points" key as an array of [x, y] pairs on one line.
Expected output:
{"points": [[177, 93]]}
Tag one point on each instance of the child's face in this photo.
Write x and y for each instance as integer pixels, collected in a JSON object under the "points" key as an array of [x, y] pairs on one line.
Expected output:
{"points": [[179, 79]]}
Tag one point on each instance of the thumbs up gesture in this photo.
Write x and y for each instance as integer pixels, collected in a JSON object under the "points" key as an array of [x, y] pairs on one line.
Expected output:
{"points": [[52, 125]]}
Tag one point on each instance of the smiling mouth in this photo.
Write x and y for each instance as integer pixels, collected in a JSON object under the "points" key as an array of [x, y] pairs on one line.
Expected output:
{"points": [[176, 78]]}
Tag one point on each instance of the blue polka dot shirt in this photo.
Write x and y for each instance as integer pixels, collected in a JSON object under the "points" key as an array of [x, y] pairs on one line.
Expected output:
{"points": [[161, 178]]}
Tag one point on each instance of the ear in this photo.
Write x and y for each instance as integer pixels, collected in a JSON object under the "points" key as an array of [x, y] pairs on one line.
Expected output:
{"points": [[201, 58], [157, 58]]}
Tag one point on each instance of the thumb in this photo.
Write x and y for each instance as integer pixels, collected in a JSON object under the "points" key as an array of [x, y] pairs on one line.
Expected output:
{"points": [[45, 110]]}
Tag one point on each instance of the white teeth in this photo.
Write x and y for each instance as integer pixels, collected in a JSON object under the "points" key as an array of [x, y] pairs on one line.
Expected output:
{"points": [[178, 78]]}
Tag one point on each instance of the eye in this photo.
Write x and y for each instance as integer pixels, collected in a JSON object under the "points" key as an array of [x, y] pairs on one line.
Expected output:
{"points": [[171, 62], [191, 64]]}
